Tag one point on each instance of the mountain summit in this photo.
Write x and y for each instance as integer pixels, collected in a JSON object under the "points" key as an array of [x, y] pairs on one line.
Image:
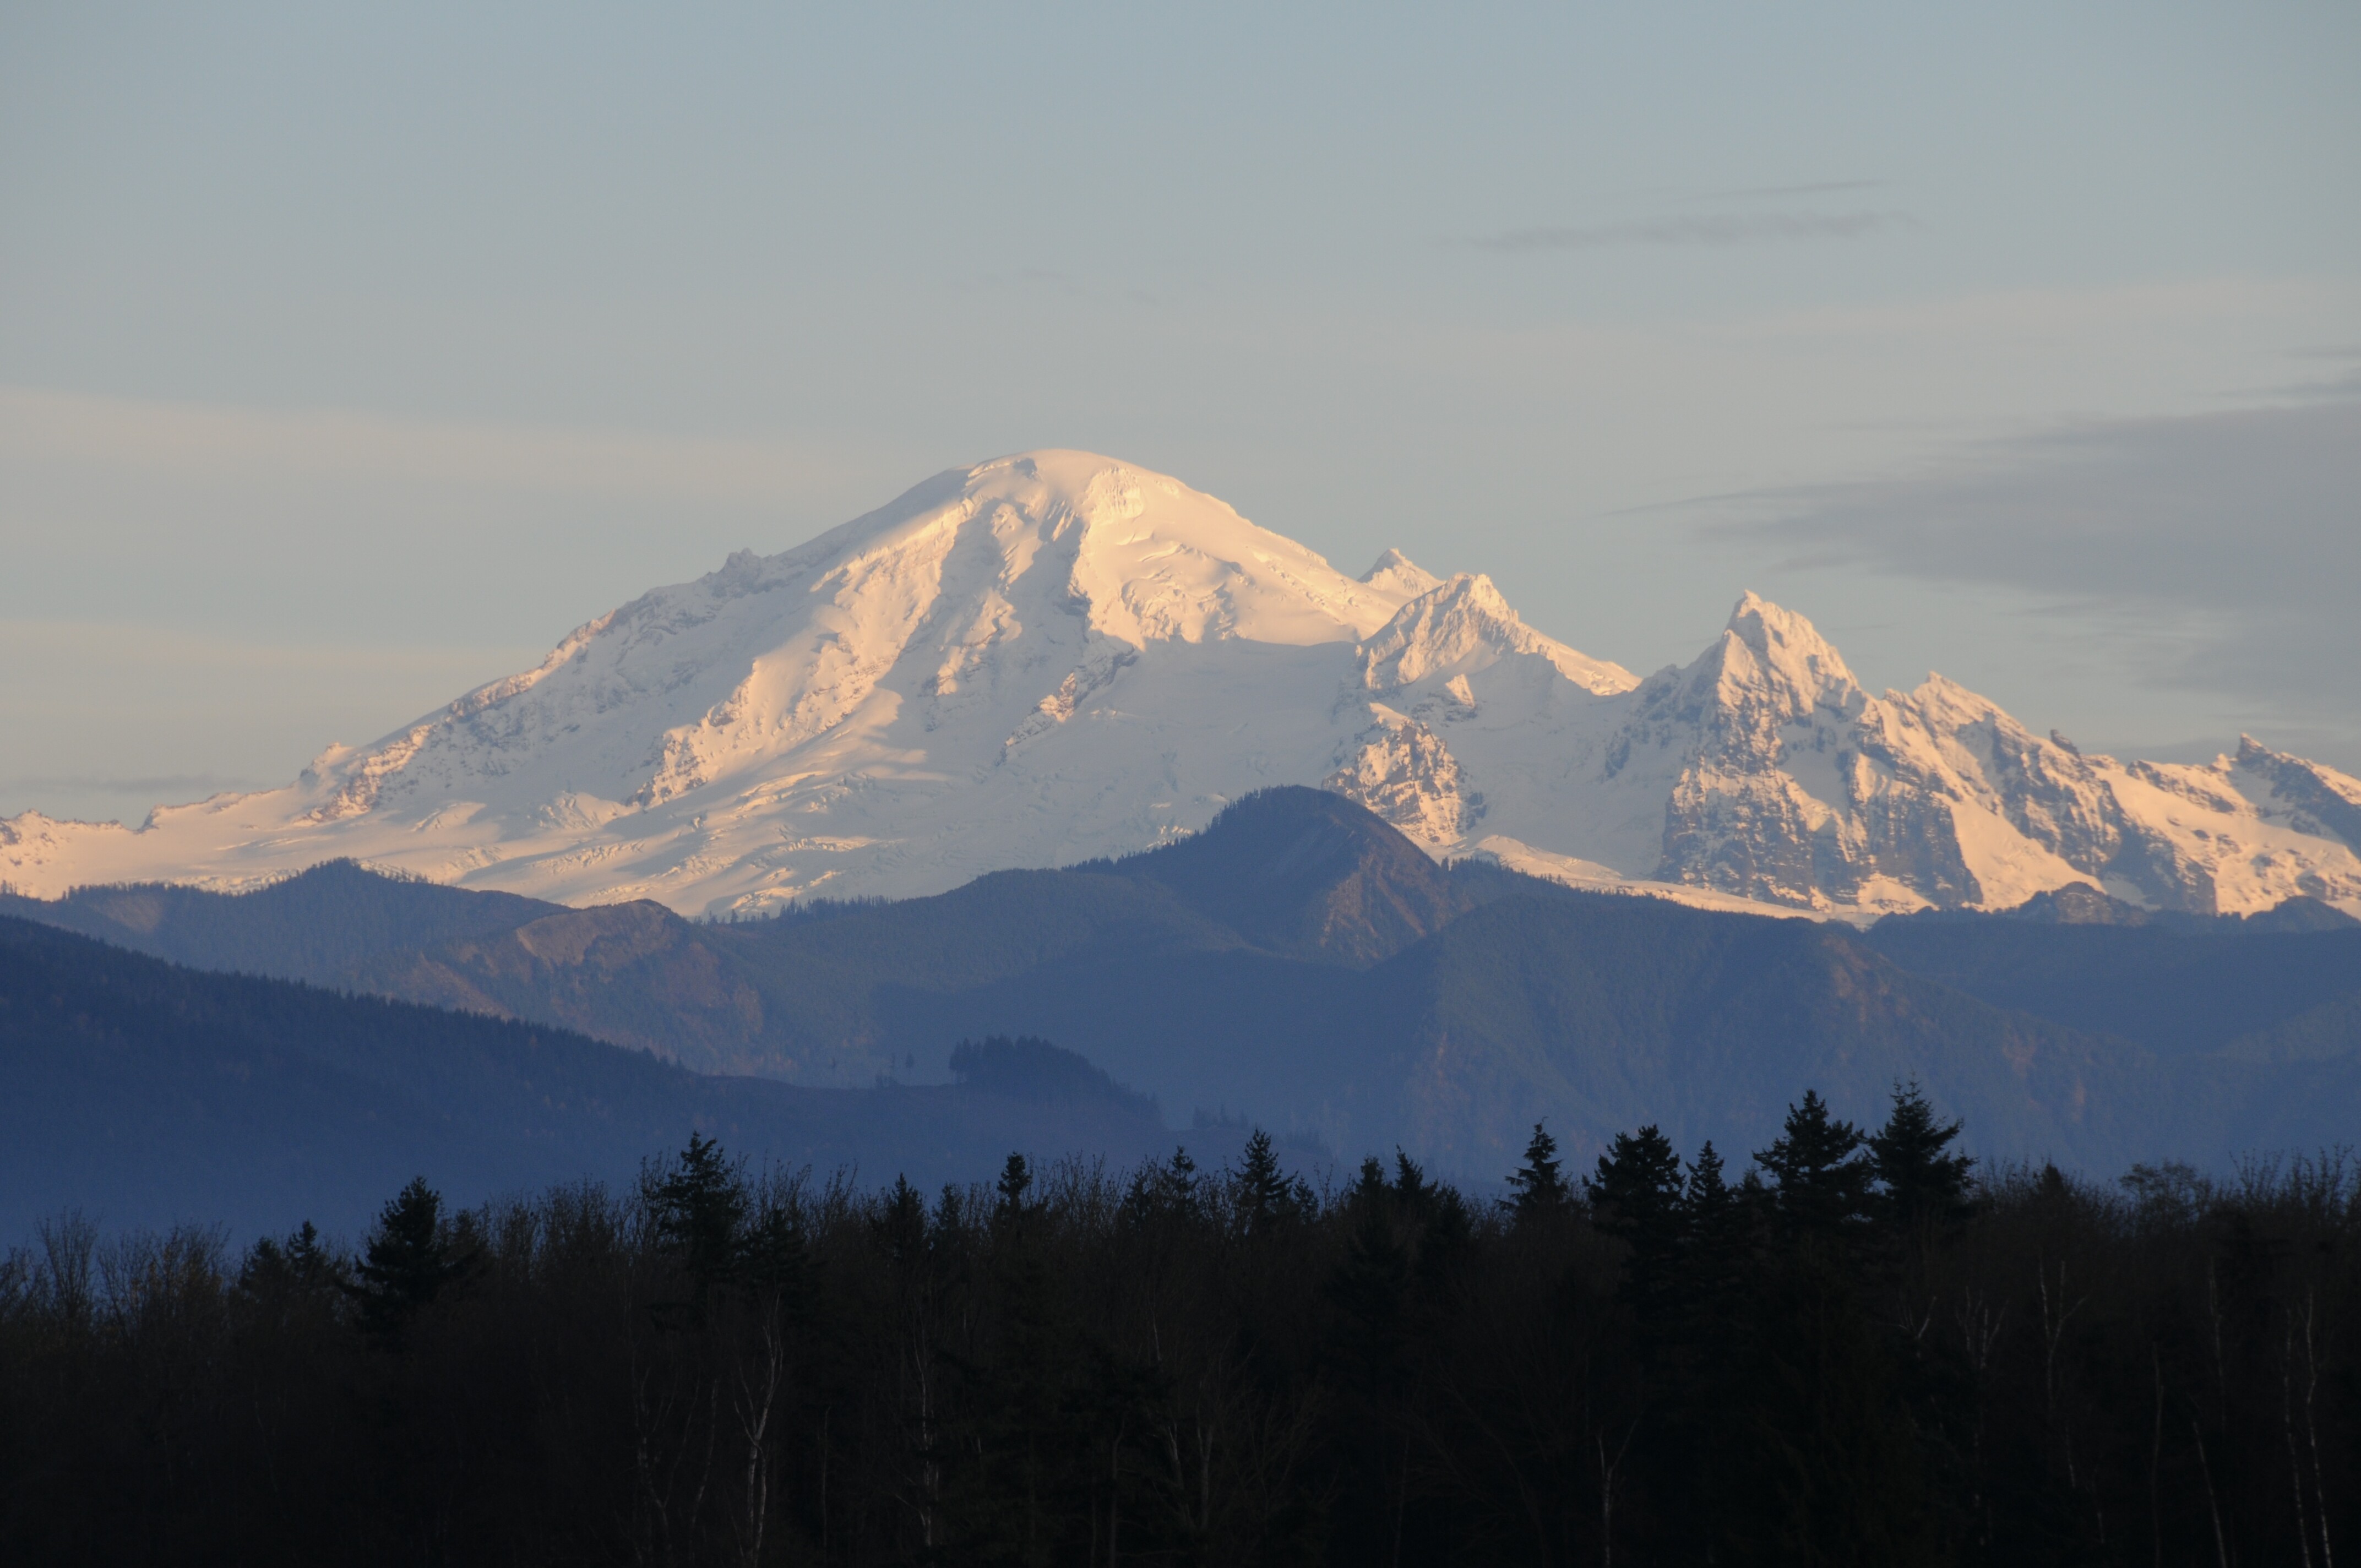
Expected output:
{"points": [[1057, 656]]}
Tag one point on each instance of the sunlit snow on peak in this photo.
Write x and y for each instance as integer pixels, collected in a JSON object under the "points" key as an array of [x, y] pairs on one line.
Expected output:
{"points": [[1056, 654]]}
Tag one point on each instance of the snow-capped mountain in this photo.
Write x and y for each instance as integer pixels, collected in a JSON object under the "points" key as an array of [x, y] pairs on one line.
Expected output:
{"points": [[1056, 656]]}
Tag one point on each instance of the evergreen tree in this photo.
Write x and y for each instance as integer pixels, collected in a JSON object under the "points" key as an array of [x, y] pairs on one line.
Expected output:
{"points": [[1637, 1187], [1819, 1172], [301, 1264], [299, 1277], [1175, 1184], [774, 1254], [1016, 1437], [1370, 1278], [411, 1258], [1702, 1359], [1833, 1469], [1265, 1197], [1414, 1196], [1636, 1196], [1714, 1260], [901, 1222], [1016, 1180], [1373, 1353], [1926, 1186], [1538, 1189], [1044, 1379], [699, 1208]]}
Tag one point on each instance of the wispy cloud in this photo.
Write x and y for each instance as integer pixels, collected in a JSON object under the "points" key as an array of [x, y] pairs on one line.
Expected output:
{"points": [[2233, 535], [1818, 188], [197, 440], [185, 786], [1713, 230]]}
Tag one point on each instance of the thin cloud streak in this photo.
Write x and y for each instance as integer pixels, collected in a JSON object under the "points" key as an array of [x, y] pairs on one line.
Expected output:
{"points": [[188, 784], [1714, 230], [1821, 188], [41, 425], [2226, 543]]}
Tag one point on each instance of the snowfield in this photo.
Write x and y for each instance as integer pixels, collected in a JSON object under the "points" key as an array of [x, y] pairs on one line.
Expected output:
{"points": [[1057, 656]]}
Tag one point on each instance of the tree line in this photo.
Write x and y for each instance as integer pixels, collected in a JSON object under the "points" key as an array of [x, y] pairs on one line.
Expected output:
{"points": [[1861, 1350]]}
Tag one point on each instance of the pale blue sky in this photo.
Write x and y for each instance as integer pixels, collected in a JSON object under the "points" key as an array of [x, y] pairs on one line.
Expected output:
{"points": [[350, 355]]}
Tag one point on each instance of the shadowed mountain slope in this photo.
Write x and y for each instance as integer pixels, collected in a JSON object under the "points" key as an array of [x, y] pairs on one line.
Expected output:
{"points": [[793, 999], [2179, 986], [1707, 1024], [315, 926], [143, 1093], [1596, 1013], [1303, 964], [1306, 873]]}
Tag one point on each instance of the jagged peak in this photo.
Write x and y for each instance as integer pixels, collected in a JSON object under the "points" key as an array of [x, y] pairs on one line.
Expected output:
{"points": [[1791, 646], [1465, 623], [1949, 707], [2333, 795], [1397, 571], [1766, 652], [1939, 690]]}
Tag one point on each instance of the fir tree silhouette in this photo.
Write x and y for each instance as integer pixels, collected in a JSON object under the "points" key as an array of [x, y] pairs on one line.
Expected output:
{"points": [[1538, 1189], [1820, 1173], [1926, 1186], [411, 1259]]}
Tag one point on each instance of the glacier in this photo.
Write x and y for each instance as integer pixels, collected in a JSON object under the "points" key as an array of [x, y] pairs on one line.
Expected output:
{"points": [[1057, 656]]}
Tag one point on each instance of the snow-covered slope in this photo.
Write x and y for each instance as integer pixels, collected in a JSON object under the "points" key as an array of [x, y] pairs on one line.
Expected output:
{"points": [[1057, 655]]}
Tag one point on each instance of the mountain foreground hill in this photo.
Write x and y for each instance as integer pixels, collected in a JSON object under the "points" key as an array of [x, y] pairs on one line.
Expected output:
{"points": [[1303, 964], [143, 1093], [1058, 657]]}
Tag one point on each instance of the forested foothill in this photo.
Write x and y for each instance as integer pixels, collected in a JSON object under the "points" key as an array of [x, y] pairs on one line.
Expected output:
{"points": [[1299, 961], [1846, 1347], [144, 1093]]}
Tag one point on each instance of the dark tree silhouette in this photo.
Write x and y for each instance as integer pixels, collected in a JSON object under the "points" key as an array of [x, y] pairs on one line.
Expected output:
{"points": [[1925, 1185], [411, 1258], [1538, 1189], [1853, 1353], [1819, 1175]]}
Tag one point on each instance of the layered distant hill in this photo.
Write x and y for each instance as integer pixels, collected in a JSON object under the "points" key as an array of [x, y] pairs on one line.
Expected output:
{"points": [[140, 1093], [1058, 656], [1303, 964]]}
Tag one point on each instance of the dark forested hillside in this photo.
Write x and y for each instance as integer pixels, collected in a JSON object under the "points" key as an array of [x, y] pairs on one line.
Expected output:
{"points": [[1861, 1349], [1840, 1348], [2187, 985], [1304, 963], [141, 1094], [1307, 874], [317, 927]]}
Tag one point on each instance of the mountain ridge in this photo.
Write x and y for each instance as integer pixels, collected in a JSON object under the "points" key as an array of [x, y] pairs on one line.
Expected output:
{"points": [[141, 1093], [1304, 963], [1057, 657]]}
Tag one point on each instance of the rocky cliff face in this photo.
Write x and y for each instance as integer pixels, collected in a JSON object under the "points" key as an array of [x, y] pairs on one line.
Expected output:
{"points": [[1792, 786], [1056, 656]]}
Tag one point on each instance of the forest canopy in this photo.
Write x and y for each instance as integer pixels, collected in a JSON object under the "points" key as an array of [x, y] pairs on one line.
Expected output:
{"points": [[1859, 1348]]}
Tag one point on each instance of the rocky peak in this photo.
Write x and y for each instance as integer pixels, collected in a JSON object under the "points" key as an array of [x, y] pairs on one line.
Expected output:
{"points": [[1464, 625], [2077, 904], [2311, 796], [1308, 873], [1796, 662], [1398, 573], [1054, 654]]}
